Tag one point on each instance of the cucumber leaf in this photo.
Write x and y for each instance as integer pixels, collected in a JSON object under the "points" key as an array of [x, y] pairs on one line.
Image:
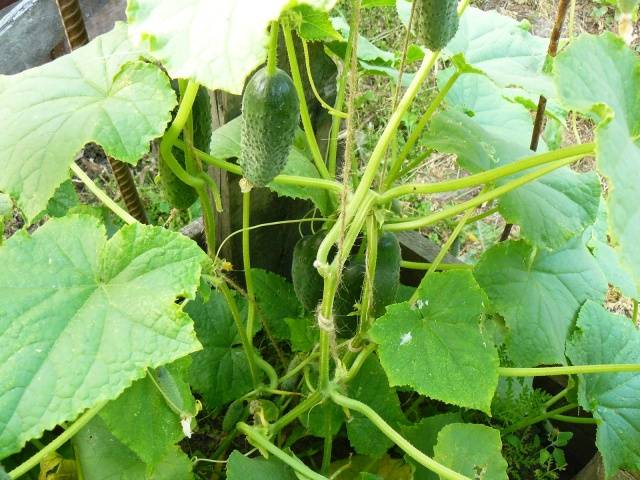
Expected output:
{"points": [[276, 301], [371, 387], [438, 347], [98, 93], [609, 92], [472, 450], [613, 398], [82, 317], [539, 293], [101, 456], [240, 467], [485, 131], [218, 44], [220, 372]]}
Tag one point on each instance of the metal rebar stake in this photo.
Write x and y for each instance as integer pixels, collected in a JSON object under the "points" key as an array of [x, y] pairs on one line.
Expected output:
{"points": [[76, 33]]}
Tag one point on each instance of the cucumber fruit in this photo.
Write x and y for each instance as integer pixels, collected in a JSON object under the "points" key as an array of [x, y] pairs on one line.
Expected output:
{"points": [[437, 22], [308, 284], [270, 116], [179, 194]]}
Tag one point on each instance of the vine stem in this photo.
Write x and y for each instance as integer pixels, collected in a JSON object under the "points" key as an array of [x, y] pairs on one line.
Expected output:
{"points": [[422, 123], [574, 152], [442, 266], [444, 249], [246, 260], [263, 442], [102, 196], [568, 370], [478, 200], [304, 109], [319, 183], [312, 83], [524, 423], [424, 460], [63, 438], [634, 315], [242, 333], [172, 133], [377, 156], [371, 260], [272, 57], [570, 419], [305, 405]]}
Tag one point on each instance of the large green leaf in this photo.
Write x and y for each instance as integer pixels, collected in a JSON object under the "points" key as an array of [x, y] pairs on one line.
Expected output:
{"points": [[220, 371], [503, 50], [609, 90], [240, 467], [608, 258], [372, 388], [101, 456], [276, 301], [424, 436], [539, 293], [141, 418], [472, 450], [99, 93], [81, 317], [437, 347], [485, 130], [613, 398], [216, 43], [225, 144]]}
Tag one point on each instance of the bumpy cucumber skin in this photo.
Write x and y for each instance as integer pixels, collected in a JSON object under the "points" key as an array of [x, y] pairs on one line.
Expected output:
{"points": [[307, 282], [270, 116], [179, 194], [437, 22], [387, 279]]}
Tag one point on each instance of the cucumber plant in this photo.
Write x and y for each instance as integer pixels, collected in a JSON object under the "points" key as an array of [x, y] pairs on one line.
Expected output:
{"points": [[126, 351]]}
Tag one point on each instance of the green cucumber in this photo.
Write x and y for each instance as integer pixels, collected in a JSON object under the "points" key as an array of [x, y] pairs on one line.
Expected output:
{"points": [[437, 22], [307, 282], [270, 117], [179, 194]]}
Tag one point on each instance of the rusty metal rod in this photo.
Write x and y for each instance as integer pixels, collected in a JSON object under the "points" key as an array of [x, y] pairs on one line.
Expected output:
{"points": [[76, 33], [542, 101]]}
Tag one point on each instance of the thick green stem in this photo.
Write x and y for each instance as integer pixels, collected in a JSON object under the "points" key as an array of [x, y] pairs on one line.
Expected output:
{"points": [[304, 110], [476, 201], [366, 304], [568, 370], [319, 183], [327, 443], [63, 438], [575, 152], [444, 249], [357, 363], [399, 440], [102, 196], [415, 135], [569, 419], [247, 346], [528, 421], [272, 56], [173, 132], [259, 440], [327, 327], [558, 396], [336, 122], [246, 260], [442, 266], [304, 406]]}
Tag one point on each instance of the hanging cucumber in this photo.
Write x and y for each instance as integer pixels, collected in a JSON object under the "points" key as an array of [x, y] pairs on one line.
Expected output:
{"points": [[307, 282], [270, 116], [179, 194], [437, 22], [387, 279]]}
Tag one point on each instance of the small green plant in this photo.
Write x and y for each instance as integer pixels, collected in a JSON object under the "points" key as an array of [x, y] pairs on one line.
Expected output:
{"points": [[129, 352]]}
